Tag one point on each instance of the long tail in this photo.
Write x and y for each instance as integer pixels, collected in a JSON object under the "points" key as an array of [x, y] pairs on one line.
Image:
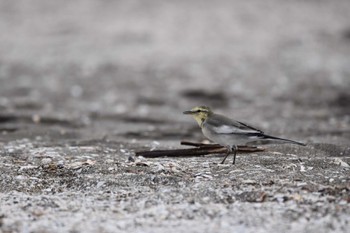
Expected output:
{"points": [[282, 139]]}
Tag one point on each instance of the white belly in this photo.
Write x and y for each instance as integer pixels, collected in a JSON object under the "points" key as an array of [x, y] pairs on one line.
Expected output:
{"points": [[226, 139]]}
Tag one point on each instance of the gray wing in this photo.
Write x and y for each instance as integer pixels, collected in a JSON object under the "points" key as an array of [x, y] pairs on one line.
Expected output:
{"points": [[223, 125]]}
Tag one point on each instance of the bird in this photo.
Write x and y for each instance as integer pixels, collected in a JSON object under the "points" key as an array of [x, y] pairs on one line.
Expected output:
{"points": [[231, 133]]}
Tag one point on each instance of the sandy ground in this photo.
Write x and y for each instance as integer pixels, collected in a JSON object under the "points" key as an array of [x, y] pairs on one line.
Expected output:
{"points": [[85, 84]]}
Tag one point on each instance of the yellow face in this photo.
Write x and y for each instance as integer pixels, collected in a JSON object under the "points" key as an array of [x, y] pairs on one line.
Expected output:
{"points": [[199, 113]]}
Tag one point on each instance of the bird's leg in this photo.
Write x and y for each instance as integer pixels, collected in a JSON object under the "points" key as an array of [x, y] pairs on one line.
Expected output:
{"points": [[229, 150], [234, 149]]}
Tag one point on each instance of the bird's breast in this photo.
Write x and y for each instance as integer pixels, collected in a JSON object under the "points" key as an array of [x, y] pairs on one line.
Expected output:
{"points": [[210, 135]]}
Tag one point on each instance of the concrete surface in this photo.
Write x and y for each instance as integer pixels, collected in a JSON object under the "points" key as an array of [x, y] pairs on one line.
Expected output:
{"points": [[85, 84]]}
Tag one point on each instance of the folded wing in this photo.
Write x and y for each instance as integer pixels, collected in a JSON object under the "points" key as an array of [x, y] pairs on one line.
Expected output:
{"points": [[224, 125]]}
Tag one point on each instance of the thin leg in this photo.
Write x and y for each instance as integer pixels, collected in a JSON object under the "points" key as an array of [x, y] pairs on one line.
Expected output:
{"points": [[234, 148], [229, 150]]}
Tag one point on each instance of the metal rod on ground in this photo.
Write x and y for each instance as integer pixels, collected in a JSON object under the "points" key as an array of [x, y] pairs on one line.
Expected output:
{"points": [[201, 149]]}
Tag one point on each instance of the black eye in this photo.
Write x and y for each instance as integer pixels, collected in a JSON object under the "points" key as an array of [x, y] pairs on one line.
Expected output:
{"points": [[198, 111]]}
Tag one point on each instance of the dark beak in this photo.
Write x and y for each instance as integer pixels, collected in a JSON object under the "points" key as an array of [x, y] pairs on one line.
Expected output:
{"points": [[187, 112]]}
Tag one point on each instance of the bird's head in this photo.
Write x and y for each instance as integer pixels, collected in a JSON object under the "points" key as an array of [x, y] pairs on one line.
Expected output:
{"points": [[199, 113]]}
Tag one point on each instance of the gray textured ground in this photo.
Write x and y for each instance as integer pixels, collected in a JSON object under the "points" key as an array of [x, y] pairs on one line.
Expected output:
{"points": [[85, 84]]}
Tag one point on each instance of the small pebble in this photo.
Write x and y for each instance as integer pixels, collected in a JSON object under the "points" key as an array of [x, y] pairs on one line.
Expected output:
{"points": [[109, 161], [46, 161]]}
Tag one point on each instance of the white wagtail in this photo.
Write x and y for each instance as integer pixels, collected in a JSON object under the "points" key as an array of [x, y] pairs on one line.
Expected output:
{"points": [[230, 133]]}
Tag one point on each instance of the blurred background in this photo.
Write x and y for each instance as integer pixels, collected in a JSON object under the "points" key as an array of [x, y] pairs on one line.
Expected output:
{"points": [[128, 69]]}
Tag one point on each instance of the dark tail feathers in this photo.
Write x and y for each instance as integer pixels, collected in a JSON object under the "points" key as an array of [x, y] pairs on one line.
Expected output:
{"points": [[284, 140]]}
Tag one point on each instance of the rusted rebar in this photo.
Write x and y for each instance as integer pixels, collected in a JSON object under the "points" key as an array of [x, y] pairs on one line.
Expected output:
{"points": [[199, 150]]}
